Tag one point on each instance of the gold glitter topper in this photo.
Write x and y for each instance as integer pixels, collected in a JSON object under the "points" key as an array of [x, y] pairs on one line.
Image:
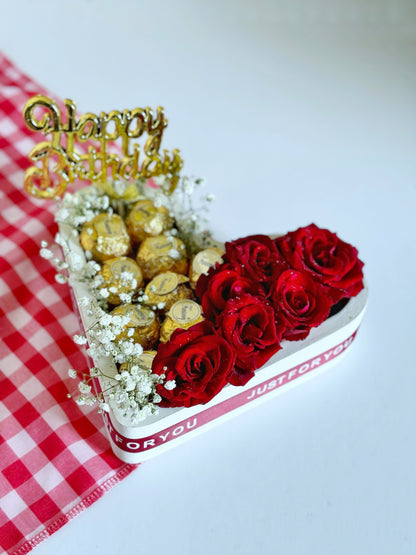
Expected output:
{"points": [[61, 163]]}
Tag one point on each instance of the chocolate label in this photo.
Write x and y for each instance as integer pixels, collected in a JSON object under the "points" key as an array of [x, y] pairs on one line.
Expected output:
{"points": [[142, 211], [204, 260], [140, 316], [165, 283], [185, 311], [123, 265], [161, 245], [108, 225]]}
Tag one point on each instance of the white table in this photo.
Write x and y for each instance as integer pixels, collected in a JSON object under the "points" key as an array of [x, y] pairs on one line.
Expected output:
{"points": [[294, 112]]}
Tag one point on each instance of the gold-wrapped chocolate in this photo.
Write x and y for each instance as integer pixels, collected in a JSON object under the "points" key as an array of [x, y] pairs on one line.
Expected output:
{"points": [[144, 323], [160, 254], [127, 191], [120, 275], [147, 220], [167, 288], [105, 236], [182, 315], [145, 360], [202, 262]]}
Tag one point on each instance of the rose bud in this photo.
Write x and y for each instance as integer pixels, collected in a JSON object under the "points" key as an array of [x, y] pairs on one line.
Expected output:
{"points": [[328, 259], [301, 301], [197, 361]]}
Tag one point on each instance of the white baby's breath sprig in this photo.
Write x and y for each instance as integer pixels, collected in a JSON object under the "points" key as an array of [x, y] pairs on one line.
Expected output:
{"points": [[191, 218], [45, 253], [80, 339], [61, 278], [133, 390], [77, 208], [169, 385]]}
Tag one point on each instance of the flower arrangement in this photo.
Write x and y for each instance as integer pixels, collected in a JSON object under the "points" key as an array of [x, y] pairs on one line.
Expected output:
{"points": [[256, 293], [264, 292]]}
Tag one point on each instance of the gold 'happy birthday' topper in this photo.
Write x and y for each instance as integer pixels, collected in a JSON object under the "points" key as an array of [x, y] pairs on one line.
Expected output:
{"points": [[98, 165]]}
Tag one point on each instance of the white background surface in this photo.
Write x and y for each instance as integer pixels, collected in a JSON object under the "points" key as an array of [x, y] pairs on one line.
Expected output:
{"points": [[294, 112]]}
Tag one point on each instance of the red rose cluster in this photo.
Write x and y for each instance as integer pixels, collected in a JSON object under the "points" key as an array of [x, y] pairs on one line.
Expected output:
{"points": [[265, 291]]}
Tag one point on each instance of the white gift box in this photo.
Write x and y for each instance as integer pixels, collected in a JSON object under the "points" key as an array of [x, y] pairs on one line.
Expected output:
{"points": [[295, 363]]}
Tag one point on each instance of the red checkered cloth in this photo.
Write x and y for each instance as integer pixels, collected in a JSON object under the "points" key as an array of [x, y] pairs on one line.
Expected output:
{"points": [[55, 458]]}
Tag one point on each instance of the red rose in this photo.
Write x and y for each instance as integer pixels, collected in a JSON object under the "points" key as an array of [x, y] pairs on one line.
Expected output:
{"points": [[301, 301], [328, 259], [255, 257], [248, 324], [198, 360], [219, 285]]}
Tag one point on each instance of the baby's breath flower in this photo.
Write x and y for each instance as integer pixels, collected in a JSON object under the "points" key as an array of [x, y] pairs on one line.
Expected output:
{"points": [[105, 320], [72, 373], [61, 278], [97, 281], [47, 254], [118, 321], [170, 384], [80, 339], [61, 265], [125, 297], [84, 388], [103, 407]]}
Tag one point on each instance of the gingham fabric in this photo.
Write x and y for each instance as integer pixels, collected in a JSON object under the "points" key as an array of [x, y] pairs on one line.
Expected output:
{"points": [[55, 458]]}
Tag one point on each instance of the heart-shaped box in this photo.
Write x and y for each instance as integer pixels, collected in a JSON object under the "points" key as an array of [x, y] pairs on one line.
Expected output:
{"points": [[295, 363]]}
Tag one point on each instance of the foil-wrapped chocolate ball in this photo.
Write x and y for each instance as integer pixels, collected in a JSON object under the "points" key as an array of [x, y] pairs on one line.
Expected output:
{"points": [[160, 254], [202, 262], [147, 220], [120, 275], [143, 322], [145, 361], [167, 288], [105, 236], [120, 190], [182, 315]]}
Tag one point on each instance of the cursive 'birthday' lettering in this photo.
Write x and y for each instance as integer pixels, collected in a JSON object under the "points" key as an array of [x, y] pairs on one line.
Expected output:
{"points": [[60, 156]]}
